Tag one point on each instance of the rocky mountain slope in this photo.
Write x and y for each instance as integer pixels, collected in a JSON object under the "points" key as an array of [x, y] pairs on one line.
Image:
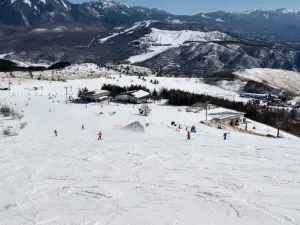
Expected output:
{"points": [[104, 13], [109, 32], [280, 25], [168, 48]]}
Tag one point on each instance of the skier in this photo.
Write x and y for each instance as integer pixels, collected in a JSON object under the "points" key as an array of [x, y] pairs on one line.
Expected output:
{"points": [[225, 136], [82, 127], [179, 127], [188, 135], [55, 132], [100, 135]]}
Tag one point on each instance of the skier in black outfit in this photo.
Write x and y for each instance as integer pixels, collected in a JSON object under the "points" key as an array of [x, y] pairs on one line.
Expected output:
{"points": [[55, 132], [225, 136], [82, 126]]}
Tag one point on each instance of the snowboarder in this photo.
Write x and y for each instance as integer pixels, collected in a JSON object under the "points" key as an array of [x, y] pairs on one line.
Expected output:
{"points": [[100, 135], [82, 127], [55, 132], [188, 135], [225, 136]]}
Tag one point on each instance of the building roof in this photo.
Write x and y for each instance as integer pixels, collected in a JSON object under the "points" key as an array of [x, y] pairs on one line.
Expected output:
{"points": [[226, 115], [140, 94], [136, 94], [97, 92]]}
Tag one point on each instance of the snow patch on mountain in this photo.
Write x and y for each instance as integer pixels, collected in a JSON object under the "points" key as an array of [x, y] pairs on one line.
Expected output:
{"points": [[159, 41], [2, 56], [205, 16], [129, 30], [153, 51], [27, 24], [220, 20], [40, 30], [167, 37], [102, 40], [86, 67], [64, 4], [289, 11], [60, 29], [27, 2]]}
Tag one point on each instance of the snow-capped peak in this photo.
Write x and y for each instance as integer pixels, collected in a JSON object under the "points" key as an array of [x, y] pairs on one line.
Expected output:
{"points": [[288, 11], [107, 3], [250, 11]]}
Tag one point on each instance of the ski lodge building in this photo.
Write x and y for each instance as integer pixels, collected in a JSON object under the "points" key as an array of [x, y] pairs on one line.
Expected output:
{"points": [[135, 97], [199, 106], [217, 114], [95, 95], [232, 118]]}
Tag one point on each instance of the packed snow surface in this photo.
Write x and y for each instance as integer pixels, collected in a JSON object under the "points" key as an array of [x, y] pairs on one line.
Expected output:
{"points": [[89, 70], [154, 177], [282, 79]]}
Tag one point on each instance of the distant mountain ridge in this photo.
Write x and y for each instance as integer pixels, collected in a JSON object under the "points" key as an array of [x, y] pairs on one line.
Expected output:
{"points": [[105, 31], [279, 25]]}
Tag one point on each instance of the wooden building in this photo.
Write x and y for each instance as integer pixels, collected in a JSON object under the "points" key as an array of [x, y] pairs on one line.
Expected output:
{"points": [[135, 97]]}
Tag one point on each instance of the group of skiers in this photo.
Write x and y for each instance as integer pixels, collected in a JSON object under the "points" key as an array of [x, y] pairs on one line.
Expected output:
{"points": [[82, 127], [188, 136], [193, 130]]}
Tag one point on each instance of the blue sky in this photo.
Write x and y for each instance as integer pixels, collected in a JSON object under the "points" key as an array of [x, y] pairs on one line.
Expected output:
{"points": [[196, 6]]}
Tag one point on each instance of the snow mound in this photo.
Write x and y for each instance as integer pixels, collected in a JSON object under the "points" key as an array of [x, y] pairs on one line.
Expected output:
{"points": [[135, 127]]}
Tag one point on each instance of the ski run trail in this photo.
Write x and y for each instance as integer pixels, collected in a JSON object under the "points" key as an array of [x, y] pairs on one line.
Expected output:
{"points": [[156, 177]]}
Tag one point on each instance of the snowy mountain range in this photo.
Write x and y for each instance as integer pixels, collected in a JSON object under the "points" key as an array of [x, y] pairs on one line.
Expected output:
{"points": [[280, 25], [104, 13], [109, 32], [169, 48]]}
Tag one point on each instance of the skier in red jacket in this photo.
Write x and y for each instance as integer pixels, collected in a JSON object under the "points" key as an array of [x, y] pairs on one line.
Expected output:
{"points": [[188, 135], [100, 135]]}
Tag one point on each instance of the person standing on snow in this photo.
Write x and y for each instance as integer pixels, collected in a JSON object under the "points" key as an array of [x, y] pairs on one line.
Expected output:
{"points": [[82, 127], [188, 135], [55, 132], [225, 136], [100, 135]]}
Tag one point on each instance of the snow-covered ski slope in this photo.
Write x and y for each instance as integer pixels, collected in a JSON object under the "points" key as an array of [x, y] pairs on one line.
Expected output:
{"points": [[89, 70], [282, 79], [162, 40], [155, 177], [168, 37]]}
